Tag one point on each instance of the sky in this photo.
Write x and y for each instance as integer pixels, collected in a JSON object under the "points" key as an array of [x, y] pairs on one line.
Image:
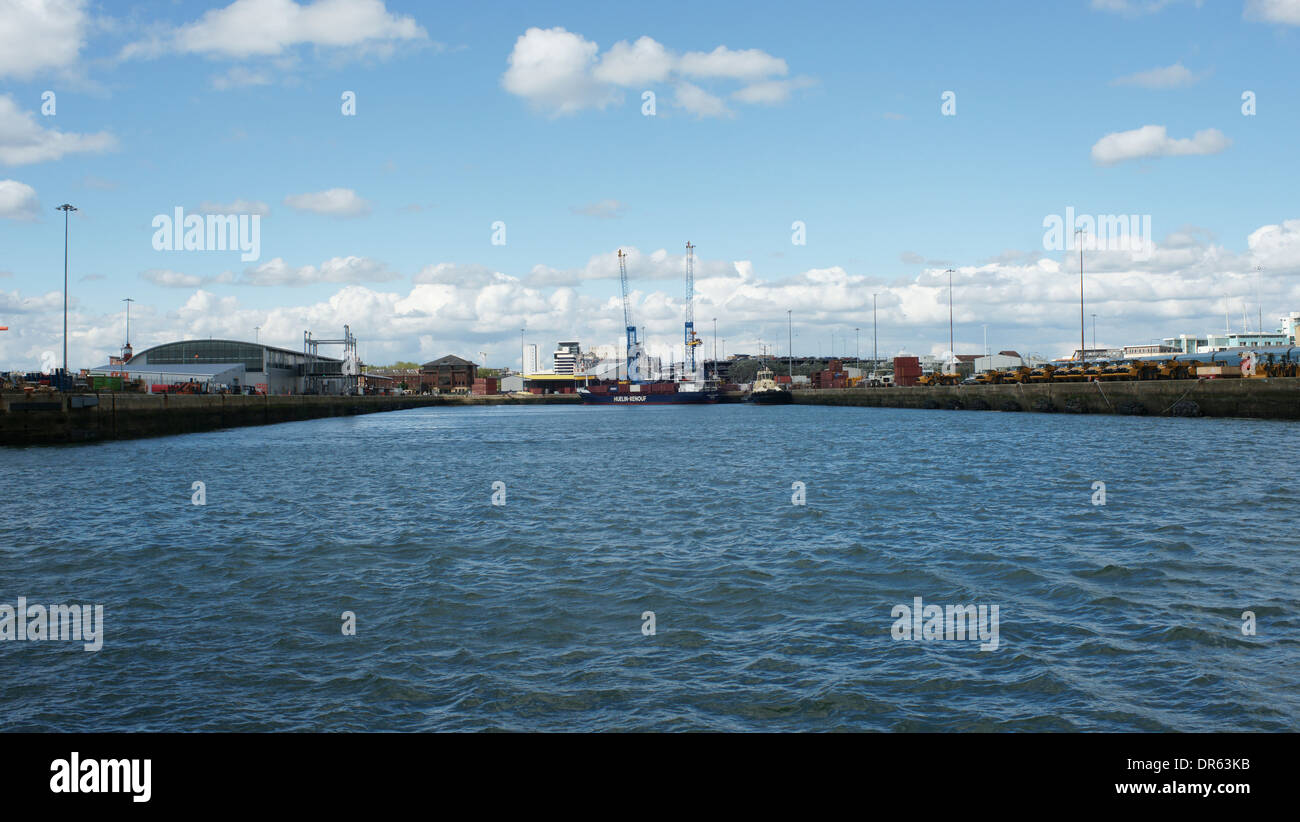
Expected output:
{"points": [[454, 178]]}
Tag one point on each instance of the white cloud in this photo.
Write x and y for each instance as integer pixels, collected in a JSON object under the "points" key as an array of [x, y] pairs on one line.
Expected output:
{"points": [[699, 102], [560, 72], [23, 141], [748, 64], [1274, 11], [1277, 247], [1174, 76], [238, 206], [1154, 141], [771, 92], [18, 201], [1030, 305], [456, 274], [268, 28], [637, 64], [642, 267], [349, 269], [336, 202], [36, 35], [552, 69]]}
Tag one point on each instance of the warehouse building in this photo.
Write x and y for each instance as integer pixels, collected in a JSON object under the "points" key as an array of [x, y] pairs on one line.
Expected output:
{"points": [[231, 364]]}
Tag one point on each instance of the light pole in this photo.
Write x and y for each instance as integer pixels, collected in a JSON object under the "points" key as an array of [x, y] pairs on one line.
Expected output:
{"points": [[257, 334], [857, 346], [874, 355], [1094, 332], [1083, 346], [1259, 296], [65, 208], [126, 349], [951, 348], [715, 348], [789, 342]]}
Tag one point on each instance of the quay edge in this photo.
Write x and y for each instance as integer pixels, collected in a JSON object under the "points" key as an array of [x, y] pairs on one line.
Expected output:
{"points": [[51, 419], [1276, 398]]}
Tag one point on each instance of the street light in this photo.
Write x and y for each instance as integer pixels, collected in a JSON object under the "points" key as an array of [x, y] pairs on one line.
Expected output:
{"points": [[874, 354], [952, 349], [126, 349], [1083, 346], [65, 208], [789, 342]]}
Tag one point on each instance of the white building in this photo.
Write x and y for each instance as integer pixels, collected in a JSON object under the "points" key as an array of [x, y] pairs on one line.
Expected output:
{"points": [[1289, 323], [531, 365], [566, 358], [1243, 339], [1002, 361]]}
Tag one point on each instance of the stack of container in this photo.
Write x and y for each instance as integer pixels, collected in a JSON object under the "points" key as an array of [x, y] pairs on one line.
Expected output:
{"points": [[906, 370], [486, 385]]}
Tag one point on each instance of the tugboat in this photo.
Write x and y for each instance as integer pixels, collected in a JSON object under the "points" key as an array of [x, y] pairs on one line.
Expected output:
{"points": [[766, 391]]}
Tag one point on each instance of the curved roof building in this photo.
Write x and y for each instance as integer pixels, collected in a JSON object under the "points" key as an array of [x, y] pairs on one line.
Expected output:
{"points": [[233, 364]]}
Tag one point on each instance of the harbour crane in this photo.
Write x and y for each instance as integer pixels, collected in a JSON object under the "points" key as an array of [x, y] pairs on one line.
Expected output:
{"points": [[691, 339], [633, 347]]}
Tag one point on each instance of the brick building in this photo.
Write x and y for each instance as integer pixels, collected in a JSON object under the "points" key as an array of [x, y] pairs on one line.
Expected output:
{"points": [[449, 373]]}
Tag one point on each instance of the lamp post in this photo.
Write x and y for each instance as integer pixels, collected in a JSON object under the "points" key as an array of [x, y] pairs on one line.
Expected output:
{"points": [[789, 342], [126, 349], [715, 348], [1083, 347], [875, 358], [951, 347], [65, 208]]}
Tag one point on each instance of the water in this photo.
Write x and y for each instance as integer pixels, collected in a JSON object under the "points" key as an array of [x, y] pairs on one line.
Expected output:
{"points": [[768, 615]]}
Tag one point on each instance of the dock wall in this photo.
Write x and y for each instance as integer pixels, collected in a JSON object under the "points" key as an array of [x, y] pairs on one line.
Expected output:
{"points": [[1271, 398], [69, 418]]}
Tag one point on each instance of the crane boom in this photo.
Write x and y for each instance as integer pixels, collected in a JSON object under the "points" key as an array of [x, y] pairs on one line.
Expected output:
{"points": [[690, 339], [633, 347]]}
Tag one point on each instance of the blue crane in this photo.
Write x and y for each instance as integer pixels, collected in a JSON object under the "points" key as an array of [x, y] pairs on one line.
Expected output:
{"points": [[633, 347], [691, 339]]}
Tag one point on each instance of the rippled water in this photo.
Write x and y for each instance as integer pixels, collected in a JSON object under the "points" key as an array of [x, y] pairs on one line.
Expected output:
{"points": [[769, 616]]}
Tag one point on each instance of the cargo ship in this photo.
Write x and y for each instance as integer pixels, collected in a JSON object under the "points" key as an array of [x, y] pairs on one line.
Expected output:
{"points": [[659, 392]]}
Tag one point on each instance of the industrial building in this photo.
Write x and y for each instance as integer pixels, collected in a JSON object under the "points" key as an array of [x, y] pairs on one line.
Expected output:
{"points": [[233, 365]]}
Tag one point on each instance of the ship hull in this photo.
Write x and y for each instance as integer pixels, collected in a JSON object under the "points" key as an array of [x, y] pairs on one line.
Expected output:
{"points": [[654, 395], [771, 398]]}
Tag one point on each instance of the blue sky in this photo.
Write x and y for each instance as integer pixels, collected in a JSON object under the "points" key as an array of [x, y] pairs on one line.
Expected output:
{"points": [[829, 114]]}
